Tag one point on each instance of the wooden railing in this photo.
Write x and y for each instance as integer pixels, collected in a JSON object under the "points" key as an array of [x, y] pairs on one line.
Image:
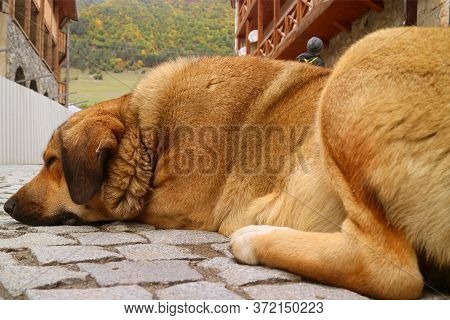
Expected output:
{"points": [[62, 45], [267, 45], [244, 6], [286, 25], [62, 93]]}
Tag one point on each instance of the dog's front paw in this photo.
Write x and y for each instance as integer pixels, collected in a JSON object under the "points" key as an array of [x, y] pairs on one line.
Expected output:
{"points": [[246, 241]]}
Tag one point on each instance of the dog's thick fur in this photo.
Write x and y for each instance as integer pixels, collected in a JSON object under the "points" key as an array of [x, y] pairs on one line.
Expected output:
{"points": [[370, 190]]}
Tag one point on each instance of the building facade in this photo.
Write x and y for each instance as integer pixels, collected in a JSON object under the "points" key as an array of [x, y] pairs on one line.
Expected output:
{"points": [[33, 45], [281, 28]]}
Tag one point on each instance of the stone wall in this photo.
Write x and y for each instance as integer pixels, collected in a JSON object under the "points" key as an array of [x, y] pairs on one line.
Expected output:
{"points": [[429, 13], [391, 16], [444, 14], [22, 54]]}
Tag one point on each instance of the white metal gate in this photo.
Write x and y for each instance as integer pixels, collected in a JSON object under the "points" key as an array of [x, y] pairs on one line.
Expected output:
{"points": [[27, 120]]}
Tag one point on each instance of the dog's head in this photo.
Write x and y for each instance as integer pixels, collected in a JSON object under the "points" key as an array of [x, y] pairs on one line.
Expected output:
{"points": [[69, 189]]}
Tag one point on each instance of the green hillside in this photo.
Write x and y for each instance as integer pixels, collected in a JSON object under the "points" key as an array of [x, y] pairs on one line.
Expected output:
{"points": [[87, 91], [122, 35]]}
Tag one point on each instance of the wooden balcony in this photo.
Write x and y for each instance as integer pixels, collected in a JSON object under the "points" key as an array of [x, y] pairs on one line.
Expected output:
{"points": [[62, 93], [286, 25], [245, 7], [287, 33], [62, 46], [248, 13]]}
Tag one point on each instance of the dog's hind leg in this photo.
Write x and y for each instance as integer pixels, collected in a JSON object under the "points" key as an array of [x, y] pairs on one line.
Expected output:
{"points": [[378, 264], [366, 255]]}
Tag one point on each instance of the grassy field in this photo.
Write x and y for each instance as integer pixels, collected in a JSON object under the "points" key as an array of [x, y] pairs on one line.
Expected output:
{"points": [[90, 91]]}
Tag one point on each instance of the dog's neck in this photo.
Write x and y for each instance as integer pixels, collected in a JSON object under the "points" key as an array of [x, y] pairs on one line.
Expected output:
{"points": [[129, 172]]}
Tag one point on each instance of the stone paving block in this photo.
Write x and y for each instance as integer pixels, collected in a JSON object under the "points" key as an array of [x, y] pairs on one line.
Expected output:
{"points": [[112, 293], [127, 227], [18, 279], [155, 251], [10, 233], [7, 259], [130, 272], [107, 238], [34, 239], [64, 229], [6, 222], [197, 291], [184, 237], [238, 274], [69, 254], [299, 291], [223, 248]]}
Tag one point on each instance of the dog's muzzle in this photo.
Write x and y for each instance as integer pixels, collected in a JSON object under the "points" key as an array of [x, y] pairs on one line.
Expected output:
{"points": [[12, 208]]}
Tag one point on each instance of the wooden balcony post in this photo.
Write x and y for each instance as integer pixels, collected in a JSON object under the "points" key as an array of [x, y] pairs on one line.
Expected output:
{"points": [[48, 44], [55, 62], [247, 41], [239, 12], [40, 26], [67, 83], [12, 7], [410, 12], [299, 10], [276, 17], [27, 18], [260, 21]]}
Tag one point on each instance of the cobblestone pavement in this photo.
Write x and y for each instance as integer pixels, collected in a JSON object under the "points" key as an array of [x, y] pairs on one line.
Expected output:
{"points": [[131, 261]]}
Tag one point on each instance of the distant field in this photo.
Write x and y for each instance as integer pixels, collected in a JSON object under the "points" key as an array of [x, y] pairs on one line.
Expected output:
{"points": [[113, 85]]}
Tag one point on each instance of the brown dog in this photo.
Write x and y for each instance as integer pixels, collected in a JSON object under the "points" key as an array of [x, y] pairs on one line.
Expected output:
{"points": [[351, 169]]}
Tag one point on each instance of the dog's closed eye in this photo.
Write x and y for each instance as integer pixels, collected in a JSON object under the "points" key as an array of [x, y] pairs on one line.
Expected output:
{"points": [[50, 161]]}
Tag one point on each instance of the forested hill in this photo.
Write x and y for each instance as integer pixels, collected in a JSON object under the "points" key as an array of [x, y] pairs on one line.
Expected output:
{"points": [[128, 34]]}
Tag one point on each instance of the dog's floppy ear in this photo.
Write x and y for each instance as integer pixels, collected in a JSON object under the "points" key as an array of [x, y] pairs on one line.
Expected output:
{"points": [[85, 147]]}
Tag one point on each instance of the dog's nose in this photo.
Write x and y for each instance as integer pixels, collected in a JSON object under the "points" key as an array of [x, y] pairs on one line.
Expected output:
{"points": [[9, 206]]}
